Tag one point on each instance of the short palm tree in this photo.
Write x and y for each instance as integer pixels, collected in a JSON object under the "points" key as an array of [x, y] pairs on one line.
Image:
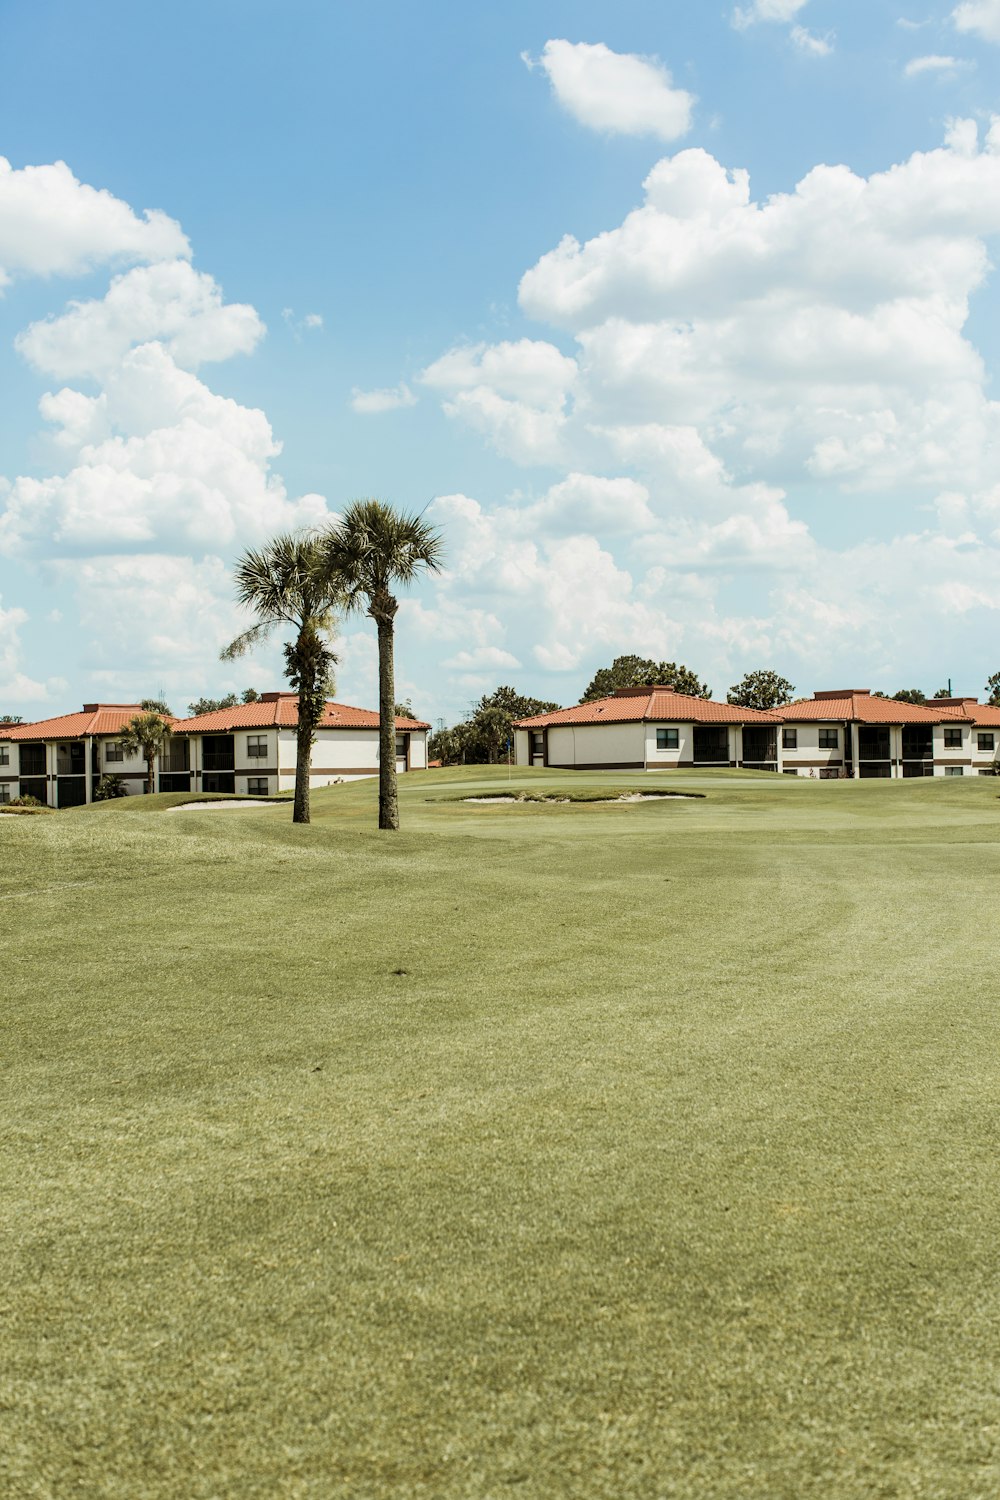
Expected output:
{"points": [[145, 734], [373, 550], [283, 584]]}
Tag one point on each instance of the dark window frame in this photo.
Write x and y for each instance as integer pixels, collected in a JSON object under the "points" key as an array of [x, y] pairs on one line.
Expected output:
{"points": [[953, 738], [256, 746], [829, 739], [954, 770], [986, 740], [789, 739], [664, 741], [113, 752], [257, 786]]}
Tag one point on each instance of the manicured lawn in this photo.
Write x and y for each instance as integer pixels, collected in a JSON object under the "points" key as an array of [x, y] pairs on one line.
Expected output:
{"points": [[577, 1151]]}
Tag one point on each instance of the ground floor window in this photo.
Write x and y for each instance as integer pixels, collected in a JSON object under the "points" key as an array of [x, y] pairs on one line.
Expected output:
{"points": [[257, 786], [954, 770], [4, 793], [667, 739]]}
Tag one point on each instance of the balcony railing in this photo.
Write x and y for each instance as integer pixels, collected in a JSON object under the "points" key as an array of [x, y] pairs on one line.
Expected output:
{"points": [[219, 760]]}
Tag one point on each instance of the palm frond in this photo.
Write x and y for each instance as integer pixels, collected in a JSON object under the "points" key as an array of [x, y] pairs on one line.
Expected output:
{"points": [[374, 546], [246, 642]]}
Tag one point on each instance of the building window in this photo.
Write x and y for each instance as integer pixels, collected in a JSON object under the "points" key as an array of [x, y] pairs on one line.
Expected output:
{"points": [[4, 756], [4, 792], [257, 786], [953, 770], [953, 739], [829, 739], [668, 739], [537, 742], [113, 752], [257, 746], [789, 739], [985, 742]]}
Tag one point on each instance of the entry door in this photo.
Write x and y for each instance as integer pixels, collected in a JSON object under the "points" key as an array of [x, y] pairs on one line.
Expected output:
{"points": [[402, 746], [537, 739]]}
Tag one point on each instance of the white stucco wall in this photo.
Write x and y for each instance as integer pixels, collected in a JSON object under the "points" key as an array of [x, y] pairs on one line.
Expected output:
{"points": [[807, 757], [597, 744]]}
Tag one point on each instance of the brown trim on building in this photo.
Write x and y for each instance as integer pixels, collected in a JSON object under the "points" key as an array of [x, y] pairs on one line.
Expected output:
{"points": [[811, 764], [954, 762], [602, 765]]}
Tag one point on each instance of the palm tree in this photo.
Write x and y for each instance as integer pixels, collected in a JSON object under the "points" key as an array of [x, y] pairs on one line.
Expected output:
{"points": [[373, 550], [146, 733], [284, 584]]}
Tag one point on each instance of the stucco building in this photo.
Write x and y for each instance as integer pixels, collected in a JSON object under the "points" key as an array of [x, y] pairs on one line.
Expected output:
{"points": [[840, 733], [248, 749]]}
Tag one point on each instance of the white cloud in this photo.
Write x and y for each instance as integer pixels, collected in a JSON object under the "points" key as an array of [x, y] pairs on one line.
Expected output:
{"points": [[766, 10], [482, 659], [617, 92], [807, 42], [934, 63], [15, 685], [158, 462], [516, 394], [53, 225], [369, 403], [169, 302], [979, 16]]}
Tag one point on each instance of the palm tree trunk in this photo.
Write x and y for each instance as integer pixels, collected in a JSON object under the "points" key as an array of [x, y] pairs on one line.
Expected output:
{"points": [[303, 759], [149, 775], [388, 801]]}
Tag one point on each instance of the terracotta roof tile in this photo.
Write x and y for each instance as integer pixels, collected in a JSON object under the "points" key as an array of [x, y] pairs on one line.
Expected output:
{"points": [[636, 705], [859, 705], [282, 710], [94, 718]]}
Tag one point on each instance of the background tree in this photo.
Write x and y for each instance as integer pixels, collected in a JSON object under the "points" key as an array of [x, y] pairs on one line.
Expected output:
{"points": [[212, 705], [284, 585], [374, 550], [485, 734], [145, 734], [993, 689], [762, 689], [641, 671], [11, 719], [944, 692], [404, 710], [155, 706], [909, 695]]}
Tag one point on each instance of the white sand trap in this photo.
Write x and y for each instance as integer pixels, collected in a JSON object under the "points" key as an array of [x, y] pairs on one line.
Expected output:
{"points": [[584, 801], [233, 806]]}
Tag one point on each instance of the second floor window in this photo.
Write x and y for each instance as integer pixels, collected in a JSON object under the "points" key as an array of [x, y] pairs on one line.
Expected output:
{"points": [[829, 739], [4, 756], [114, 751], [986, 742], [953, 739], [257, 746], [789, 739]]}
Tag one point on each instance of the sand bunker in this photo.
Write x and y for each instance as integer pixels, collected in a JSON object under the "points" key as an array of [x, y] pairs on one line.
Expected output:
{"points": [[233, 806], [521, 800]]}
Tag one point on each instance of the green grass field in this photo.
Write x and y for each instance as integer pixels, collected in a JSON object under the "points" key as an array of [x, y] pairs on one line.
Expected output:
{"points": [[630, 1150]]}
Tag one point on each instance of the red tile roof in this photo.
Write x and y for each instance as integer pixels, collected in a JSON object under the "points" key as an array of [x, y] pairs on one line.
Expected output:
{"points": [[858, 704], [634, 705], [979, 713], [281, 710], [94, 718]]}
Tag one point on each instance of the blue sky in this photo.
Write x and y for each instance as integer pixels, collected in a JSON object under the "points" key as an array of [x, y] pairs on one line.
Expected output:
{"points": [[737, 421]]}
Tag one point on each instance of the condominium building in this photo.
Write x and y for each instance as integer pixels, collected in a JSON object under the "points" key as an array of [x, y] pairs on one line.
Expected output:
{"points": [[249, 749]]}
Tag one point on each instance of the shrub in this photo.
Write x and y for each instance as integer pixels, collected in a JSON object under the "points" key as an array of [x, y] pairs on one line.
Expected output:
{"points": [[25, 800], [110, 787]]}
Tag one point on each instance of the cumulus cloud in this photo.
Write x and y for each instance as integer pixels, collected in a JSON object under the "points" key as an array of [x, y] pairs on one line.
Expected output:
{"points": [[391, 398], [981, 17], [730, 356], [170, 302], [53, 225], [158, 460], [617, 92]]}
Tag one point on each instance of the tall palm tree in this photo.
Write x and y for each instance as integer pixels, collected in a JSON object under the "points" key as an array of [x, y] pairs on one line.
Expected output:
{"points": [[283, 584], [373, 550], [146, 733]]}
